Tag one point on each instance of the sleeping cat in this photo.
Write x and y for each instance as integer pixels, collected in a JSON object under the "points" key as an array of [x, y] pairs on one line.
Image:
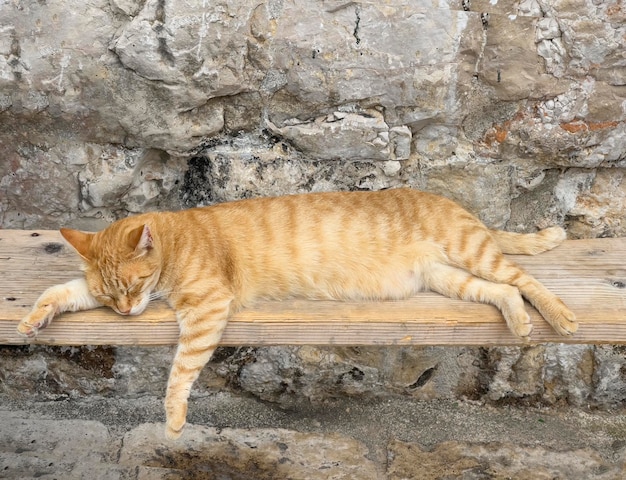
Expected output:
{"points": [[209, 262]]}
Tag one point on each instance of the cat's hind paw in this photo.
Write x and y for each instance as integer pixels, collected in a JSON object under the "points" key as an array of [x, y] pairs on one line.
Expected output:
{"points": [[522, 329], [564, 322], [518, 320], [38, 319]]}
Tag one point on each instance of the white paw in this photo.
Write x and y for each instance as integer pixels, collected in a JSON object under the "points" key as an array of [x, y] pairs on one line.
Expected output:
{"points": [[38, 319]]}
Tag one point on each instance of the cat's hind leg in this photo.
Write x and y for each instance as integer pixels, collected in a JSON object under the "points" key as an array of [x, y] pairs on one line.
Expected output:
{"points": [[201, 325], [497, 268], [456, 283], [67, 297], [551, 307]]}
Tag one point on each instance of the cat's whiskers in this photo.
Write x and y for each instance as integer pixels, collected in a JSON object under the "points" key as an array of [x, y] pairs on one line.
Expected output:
{"points": [[164, 294], [157, 295]]}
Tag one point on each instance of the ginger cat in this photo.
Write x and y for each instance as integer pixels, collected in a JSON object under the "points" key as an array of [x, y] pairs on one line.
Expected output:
{"points": [[208, 262]]}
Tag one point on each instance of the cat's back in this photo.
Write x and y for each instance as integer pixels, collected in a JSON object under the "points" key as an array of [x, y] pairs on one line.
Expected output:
{"points": [[314, 244], [348, 213], [290, 209]]}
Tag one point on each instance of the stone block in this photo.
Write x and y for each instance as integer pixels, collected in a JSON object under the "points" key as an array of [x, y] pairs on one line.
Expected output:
{"points": [[496, 460], [258, 453], [365, 132]]}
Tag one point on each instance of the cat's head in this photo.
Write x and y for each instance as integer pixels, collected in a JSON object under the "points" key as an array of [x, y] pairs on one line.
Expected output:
{"points": [[121, 265]]}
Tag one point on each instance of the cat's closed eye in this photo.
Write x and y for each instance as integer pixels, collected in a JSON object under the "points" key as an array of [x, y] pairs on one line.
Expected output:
{"points": [[138, 282], [105, 299]]}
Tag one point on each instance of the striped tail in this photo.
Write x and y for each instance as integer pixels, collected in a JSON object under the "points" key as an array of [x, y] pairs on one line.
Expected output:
{"points": [[529, 243]]}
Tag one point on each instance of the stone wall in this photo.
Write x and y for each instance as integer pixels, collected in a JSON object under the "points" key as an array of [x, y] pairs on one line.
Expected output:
{"points": [[292, 377], [516, 109]]}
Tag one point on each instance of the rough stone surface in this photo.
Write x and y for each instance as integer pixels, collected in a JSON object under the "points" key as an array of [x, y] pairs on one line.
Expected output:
{"points": [[542, 375], [463, 461], [514, 108], [261, 454], [95, 438], [105, 106], [44, 450]]}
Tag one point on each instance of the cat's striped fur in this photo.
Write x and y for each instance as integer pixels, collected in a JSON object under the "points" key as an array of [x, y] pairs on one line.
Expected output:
{"points": [[208, 262]]}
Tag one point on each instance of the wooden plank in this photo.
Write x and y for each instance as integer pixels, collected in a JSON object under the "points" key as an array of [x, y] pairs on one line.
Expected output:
{"points": [[589, 275]]}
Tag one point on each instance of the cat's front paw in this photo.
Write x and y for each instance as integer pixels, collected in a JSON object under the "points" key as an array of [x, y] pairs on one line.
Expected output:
{"points": [[38, 319], [175, 416], [173, 430]]}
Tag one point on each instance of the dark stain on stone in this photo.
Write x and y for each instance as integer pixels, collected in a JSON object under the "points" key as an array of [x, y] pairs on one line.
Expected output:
{"points": [[226, 460], [354, 375], [14, 351], [423, 378], [485, 363], [202, 178], [99, 360], [165, 52], [160, 11], [357, 374]]}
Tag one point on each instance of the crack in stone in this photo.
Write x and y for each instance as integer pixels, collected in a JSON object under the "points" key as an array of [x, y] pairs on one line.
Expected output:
{"points": [[160, 11], [357, 25], [165, 52], [481, 52]]}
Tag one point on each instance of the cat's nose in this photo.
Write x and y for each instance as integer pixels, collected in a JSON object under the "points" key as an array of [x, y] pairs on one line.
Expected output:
{"points": [[124, 311]]}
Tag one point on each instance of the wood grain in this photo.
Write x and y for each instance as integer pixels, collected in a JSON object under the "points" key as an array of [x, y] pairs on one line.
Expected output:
{"points": [[589, 275]]}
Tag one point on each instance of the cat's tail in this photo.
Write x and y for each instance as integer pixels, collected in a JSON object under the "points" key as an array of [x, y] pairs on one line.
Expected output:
{"points": [[529, 243]]}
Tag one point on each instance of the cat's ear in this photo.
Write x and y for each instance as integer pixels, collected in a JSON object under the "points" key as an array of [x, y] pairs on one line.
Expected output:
{"points": [[140, 240], [81, 241]]}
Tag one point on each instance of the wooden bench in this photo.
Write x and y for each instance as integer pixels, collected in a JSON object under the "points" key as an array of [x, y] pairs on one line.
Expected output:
{"points": [[589, 275]]}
